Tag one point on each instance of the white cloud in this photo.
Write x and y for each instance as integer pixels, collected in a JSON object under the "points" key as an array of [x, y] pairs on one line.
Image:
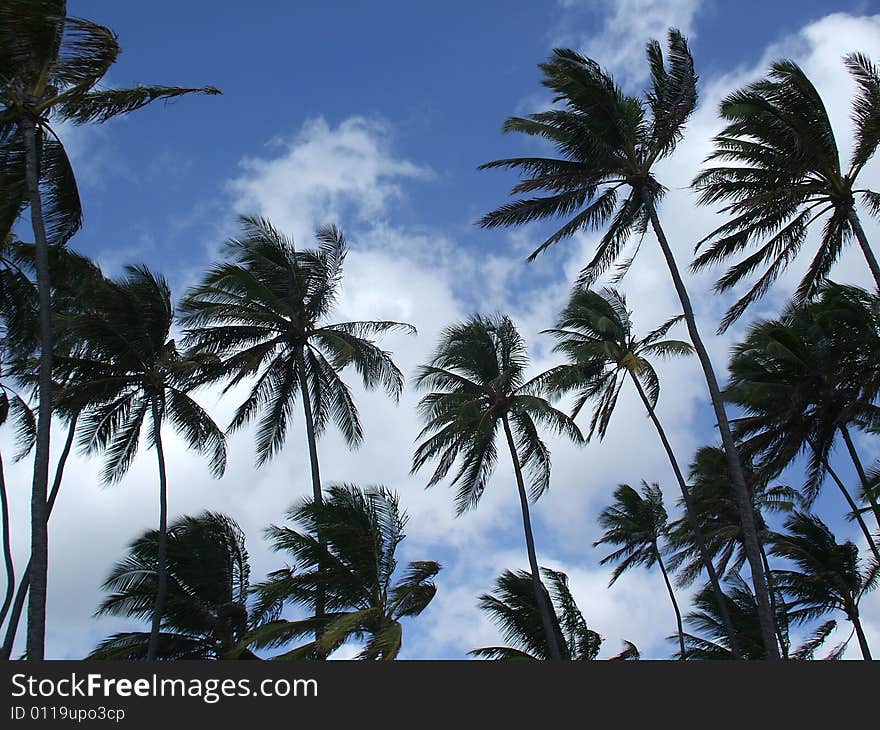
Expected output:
{"points": [[625, 27], [323, 174]]}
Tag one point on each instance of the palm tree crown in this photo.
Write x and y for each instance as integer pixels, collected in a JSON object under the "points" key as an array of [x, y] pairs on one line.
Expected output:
{"points": [[595, 333], [786, 175], [609, 142], [128, 371], [344, 550], [636, 523], [826, 574], [205, 614], [513, 609], [478, 378], [805, 377], [264, 312]]}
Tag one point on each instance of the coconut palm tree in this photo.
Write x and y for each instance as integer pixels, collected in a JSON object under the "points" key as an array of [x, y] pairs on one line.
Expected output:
{"points": [[717, 517], [205, 614], [596, 334], [130, 373], [781, 174], [711, 641], [806, 378], [264, 311], [477, 379], [826, 574], [608, 142], [73, 277], [50, 70], [345, 549], [514, 610], [635, 524]]}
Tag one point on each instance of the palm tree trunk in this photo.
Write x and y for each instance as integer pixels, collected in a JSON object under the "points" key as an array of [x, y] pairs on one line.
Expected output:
{"points": [[854, 508], [863, 244], [162, 547], [317, 493], [540, 591], [705, 558], [860, 633], [783, 644], [747, 518], [36, 628], [674, 602], [860, 470], [7, 547], [25, 582]]}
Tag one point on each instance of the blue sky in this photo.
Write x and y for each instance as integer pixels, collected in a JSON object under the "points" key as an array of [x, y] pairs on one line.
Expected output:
{"points": [[375, 116]]}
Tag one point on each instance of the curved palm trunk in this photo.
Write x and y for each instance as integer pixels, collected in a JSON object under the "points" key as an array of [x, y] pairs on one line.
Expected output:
{"points": [[39, 572], [783, 643], [162, 548], [749, 530], [860, 470], [674, 602], [856, 512], [317, 494], [860, 633], [705, 558], [7, 547], [540, 591], [863, 244], [24, 584]]}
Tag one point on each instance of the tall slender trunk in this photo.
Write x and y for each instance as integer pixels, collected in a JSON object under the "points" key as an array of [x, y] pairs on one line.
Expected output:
{"points": [[860, 470], [854, 508], [317, 494], [744, 501], [541, 596], [7, 547], [783, 642], [674, 602], [39, 572], [691, 513], [162, 548], [864, 245], [25, 582], [860, 633]]}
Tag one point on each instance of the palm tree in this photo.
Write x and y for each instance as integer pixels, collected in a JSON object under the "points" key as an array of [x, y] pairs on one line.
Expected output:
{"points": [[205, 614], [74, 277], [477, 382], [718, 517], [635, 523], [711, 642], [50, 70], [807, 377], [609, 142], [786, 175], [595, 333], [264, 312], [345, 550], [514, 610], [716, 514], [827, 577], [130, 372]]}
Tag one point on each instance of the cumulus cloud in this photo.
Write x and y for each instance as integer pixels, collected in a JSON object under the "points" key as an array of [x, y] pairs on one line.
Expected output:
{"points": [[623, 29]]}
